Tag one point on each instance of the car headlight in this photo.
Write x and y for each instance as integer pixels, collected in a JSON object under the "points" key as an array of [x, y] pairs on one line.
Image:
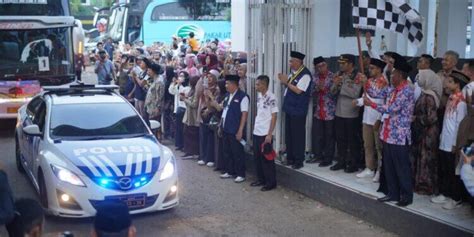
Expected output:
{"points": [[168, 171], [67, 176]]}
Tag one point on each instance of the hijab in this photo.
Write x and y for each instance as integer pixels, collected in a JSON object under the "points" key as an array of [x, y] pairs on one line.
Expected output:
{"points": [[430, 84]]}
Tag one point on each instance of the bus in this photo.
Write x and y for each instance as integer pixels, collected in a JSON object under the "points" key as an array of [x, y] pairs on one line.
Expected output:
{"points": [[208, 19], [124, 20], [36, 48]]}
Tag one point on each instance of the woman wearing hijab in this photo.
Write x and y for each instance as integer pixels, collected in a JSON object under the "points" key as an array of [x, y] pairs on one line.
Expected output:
{"points": [[190, 66], [426, 135], [212, 62], [191, 123]]}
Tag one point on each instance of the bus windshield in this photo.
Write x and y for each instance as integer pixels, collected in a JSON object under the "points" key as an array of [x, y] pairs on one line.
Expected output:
{"points": [[36, 52], [189, 10], [34, 8], [116, 22]]}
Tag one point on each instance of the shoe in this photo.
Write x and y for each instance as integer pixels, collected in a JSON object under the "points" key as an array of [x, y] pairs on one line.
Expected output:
{"points": [[376, 178], [337, 166], [187, 157], [239, 179], [325, 163], [288, 163], [217, 169], [385, 199], [366, 173], [404, 203], [440, 199], [313, 160], [256, 183], [451, 204], [226, 176], [297, 166], [210, 164], [267, 188], [200, 162], [350, 169]]}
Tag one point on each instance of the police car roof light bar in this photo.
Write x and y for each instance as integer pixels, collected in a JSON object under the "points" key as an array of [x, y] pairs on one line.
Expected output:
{"points": [[79, 88]]}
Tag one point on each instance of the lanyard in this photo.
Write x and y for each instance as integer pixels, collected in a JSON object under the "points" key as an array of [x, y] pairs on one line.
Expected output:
{"points": [[296, 74]]}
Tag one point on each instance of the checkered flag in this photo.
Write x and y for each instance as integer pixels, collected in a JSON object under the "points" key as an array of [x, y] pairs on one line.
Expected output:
{"points": [[392, 15]]}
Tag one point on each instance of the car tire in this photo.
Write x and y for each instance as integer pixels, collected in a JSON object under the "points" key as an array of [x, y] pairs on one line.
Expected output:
{"points": [[19, 165], [43, 194]]}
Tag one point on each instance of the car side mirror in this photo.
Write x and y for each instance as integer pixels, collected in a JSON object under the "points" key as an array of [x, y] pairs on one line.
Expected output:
{"points": [[154, 124], [32, 130]]}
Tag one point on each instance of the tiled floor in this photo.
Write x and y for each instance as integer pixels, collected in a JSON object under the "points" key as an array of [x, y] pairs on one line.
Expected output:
{"points": [[462, 217]]}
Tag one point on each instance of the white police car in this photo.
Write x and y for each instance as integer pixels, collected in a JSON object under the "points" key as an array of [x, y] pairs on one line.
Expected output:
{"points": [[82, 145]]}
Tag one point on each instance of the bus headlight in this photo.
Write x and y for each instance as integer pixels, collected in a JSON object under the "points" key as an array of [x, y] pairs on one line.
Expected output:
{"points": [[67, 176], [169, 169]]}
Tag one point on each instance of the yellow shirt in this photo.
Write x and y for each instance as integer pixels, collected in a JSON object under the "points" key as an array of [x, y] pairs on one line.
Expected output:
{"points": [[194, 44]]}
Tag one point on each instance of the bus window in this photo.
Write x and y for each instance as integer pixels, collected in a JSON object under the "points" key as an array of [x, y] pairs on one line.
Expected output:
{"points": [[173, 11], [35, 8], [212, 10]]}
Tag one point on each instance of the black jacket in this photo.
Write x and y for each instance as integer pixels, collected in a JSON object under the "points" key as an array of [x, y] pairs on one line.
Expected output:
{"points": [[6, 200]]}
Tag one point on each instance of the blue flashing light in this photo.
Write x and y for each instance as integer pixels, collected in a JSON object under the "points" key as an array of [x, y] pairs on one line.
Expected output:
{"points": [[137, 184], [104, 182], [143, 179]]}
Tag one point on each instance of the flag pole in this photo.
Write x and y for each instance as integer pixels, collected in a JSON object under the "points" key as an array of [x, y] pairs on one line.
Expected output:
{"points": [[361, 62]]}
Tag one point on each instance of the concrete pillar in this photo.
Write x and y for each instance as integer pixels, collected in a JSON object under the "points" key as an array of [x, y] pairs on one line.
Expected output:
{"points": [[239, 34], [451, 27]]}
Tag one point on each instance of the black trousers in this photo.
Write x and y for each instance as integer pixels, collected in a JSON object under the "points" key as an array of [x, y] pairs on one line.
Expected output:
{"points": [[265, 168], [397, 171], [323, 141], [348, 144], [79, 75], [220, 159], [234, 156], [450, 184], [295, 136], [179, 142]]}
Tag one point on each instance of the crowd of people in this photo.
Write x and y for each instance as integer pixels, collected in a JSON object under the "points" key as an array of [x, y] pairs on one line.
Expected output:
{"points": [[401, 131], [409, 134]]}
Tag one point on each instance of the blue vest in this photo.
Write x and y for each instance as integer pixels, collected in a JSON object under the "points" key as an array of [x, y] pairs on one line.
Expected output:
{"points": [[232, 118], [294, 104]]}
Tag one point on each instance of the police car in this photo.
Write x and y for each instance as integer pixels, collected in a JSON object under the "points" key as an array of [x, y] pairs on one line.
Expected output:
{"points": [[82, 145]]}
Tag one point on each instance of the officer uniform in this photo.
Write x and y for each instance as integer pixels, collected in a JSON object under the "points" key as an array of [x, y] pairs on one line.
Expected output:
{"points": [[296, 108]]}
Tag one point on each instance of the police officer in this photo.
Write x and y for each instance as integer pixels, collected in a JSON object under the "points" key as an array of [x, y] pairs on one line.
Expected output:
{"points": [[234, 117], [295, 105]]}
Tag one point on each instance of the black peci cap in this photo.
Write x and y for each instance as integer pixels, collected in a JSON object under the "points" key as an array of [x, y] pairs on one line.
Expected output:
{"points": [[401, 64], [460, 78], [318, 60], [233, 78], [298, 55], [112, 217], [378, 63]]}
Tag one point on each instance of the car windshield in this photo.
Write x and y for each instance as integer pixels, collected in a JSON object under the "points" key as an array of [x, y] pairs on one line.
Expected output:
{"points": [[95, 121], [39, 52]]}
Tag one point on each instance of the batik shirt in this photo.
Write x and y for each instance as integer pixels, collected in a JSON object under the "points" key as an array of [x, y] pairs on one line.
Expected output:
{"points": [[374, 89], [324, 101], [397, 114]]}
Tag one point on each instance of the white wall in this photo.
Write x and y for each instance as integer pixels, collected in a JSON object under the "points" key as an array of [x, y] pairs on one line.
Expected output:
{"points": [[239, 12]]}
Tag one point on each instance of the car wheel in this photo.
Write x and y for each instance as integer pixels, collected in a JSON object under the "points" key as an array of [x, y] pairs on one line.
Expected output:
{"points": [[19, 165], [43, 195]]}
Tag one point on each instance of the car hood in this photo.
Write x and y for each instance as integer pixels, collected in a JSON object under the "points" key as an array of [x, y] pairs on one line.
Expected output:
{"points": [[120, 164]]}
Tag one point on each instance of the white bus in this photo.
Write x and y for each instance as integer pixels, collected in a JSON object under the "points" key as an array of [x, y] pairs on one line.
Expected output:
{"points": [[36, 48]]}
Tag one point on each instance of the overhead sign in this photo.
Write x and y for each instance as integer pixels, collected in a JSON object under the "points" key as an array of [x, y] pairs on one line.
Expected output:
{"points": [[23, 1]]}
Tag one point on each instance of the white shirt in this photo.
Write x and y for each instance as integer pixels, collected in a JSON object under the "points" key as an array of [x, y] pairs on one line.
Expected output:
{"points": [[450, 126], [302, 84], [176, 90], [370, 115], [266, 106], [468, 89], [244, 105]]}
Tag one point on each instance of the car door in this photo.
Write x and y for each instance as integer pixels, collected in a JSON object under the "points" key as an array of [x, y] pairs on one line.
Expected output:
{"points": [[38, 119], [27, 140]]}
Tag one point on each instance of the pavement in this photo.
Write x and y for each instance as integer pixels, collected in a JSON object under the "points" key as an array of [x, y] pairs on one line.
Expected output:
{"points": [[210, 206]]}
